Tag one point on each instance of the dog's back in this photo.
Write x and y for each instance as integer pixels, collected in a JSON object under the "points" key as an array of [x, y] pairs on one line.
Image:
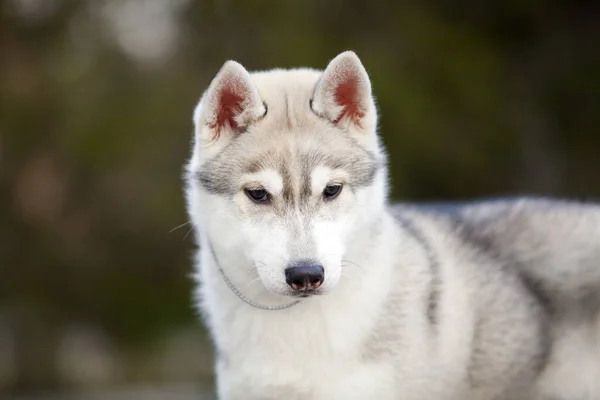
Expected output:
{"points": [[551, 248]]}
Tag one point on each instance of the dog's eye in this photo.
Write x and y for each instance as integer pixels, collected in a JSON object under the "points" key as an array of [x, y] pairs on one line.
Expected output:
{"points": [[257, 195], [331, 191]]}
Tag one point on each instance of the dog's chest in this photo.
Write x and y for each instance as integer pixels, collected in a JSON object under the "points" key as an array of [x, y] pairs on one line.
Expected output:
{"points": [[276, 374], [299, 357]]}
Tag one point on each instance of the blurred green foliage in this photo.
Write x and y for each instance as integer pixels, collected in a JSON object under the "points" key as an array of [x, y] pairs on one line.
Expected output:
{"points": [[477, 98]]}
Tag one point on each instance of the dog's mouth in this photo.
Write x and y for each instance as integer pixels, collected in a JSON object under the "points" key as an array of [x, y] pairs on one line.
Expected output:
{"points": [[307, 293]]}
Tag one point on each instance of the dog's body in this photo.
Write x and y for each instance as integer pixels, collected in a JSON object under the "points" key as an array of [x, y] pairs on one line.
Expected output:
{"points": [[494, 300]]}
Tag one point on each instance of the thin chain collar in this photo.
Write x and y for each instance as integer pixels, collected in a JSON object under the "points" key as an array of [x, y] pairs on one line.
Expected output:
{"points": [[240, 295], [432, 259]]}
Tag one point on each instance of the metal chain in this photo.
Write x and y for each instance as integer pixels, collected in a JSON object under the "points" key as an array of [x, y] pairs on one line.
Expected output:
{"points": [[240, 295]]}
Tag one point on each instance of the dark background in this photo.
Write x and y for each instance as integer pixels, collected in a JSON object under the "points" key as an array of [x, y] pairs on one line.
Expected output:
{"points": [[477, 99]]}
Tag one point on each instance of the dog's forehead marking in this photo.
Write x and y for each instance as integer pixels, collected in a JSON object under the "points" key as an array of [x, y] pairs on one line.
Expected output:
{"points": [[319, 178], [268, 178], [296, 159], [323, 175]]}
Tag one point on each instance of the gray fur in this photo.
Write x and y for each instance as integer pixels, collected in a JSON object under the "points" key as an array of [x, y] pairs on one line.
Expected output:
{"points": [[220, 174], [489, 300], [509, 237], [434, 290]]}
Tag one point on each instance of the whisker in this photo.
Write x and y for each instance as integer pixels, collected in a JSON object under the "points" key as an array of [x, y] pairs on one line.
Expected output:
{"points": [[344, 261], [252, 281], [251, 270], [262, 264], [188, 232], [180, 226], [348, 262]]}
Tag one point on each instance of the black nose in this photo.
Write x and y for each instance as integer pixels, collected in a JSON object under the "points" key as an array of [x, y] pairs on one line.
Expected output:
{"points": [[304, 276]]}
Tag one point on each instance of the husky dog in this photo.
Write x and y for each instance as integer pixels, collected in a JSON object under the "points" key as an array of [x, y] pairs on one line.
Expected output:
{"points": [[314, 287]]}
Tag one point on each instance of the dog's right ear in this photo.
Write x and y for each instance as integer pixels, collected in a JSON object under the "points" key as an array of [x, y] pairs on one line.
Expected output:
{"points": [[228, 106]]}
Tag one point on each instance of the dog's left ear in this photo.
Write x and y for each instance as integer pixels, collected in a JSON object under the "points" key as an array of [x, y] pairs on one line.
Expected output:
{"points": [[343, 94]]}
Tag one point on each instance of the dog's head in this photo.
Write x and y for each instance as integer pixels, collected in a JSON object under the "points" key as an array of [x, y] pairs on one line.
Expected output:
{"points": [[287, 168]]}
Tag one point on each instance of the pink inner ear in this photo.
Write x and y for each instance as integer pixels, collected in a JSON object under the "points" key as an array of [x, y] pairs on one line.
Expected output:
{"points": [[229, 105], [346, 95]]}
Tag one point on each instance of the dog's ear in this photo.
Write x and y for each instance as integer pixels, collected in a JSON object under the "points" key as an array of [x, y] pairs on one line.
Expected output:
{"points": [[343, 93], [229, 105]]}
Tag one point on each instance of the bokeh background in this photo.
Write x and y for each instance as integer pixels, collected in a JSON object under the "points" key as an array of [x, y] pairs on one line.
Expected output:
{"points": [[477, 99]]}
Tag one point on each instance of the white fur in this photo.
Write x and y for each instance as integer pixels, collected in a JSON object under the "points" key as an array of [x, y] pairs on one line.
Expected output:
{"points": [[266, 178], [337, 346], [305, 350]]}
